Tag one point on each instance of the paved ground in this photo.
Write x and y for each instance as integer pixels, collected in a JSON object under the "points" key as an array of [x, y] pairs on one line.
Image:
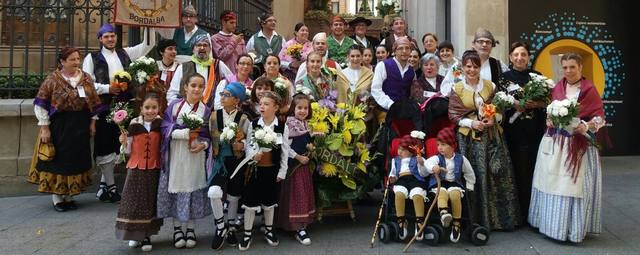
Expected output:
{"points": [[28, 225]]}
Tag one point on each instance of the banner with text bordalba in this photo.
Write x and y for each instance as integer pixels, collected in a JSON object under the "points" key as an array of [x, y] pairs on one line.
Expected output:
{"points": [[148, 13]]}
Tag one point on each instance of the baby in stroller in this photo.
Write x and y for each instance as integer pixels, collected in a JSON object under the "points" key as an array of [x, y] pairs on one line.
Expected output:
{"points": [[456, 173], [408, 173]]}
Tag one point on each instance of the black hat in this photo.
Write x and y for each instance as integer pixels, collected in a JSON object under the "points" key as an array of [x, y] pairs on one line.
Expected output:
{"points": [[360, 20]]}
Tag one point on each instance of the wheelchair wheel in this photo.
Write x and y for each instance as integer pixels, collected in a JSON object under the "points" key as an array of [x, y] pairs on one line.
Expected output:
{"points": [[431, 236], [479, 235], [441, 232], [395, 231], [384, 233]]}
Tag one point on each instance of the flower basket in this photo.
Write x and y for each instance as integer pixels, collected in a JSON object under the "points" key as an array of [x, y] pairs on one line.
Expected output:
{"points": [[193, 135]]}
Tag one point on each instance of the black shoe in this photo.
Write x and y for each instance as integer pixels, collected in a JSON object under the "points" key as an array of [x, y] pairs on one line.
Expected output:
{"points": [[270, 236], [70, 205], [60, 207], [303, 237], [455, 233], [231, 238], [103, 193], [146, 244], [245, 242], [218, 238], [114, 196]]}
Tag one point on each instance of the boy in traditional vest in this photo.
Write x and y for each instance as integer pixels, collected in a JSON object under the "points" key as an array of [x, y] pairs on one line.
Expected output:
{"points": [[455, 173], [226, 155], [408, 172]]}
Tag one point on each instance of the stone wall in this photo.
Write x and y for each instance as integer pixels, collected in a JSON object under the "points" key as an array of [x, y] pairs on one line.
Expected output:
{"points": [[18, 133]]}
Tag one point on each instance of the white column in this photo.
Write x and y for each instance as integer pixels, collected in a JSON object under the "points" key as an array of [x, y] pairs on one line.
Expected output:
{"points": [[459, 37], [425, 16]]}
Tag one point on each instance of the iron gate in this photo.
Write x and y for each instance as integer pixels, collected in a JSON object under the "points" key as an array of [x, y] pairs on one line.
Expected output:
{"points": [[32, 32]]}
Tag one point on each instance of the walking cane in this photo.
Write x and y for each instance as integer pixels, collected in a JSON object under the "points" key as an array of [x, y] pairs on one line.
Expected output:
{"points": [[426, 219], [384, 200]]}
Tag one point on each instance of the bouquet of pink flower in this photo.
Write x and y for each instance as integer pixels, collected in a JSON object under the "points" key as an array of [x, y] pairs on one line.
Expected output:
{"points": [[120, 114]]}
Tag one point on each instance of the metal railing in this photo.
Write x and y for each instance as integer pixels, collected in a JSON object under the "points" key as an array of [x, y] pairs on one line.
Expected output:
{"points": [[32, 32]]}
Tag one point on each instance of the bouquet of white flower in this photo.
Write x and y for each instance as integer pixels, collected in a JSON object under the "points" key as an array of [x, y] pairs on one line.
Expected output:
{"points": [[143, 69], [229, 132], [503, 101], [263, 139], [280, 87], [193, 122], [418, 134], [537, 89], [304, 90], [563, 113]]}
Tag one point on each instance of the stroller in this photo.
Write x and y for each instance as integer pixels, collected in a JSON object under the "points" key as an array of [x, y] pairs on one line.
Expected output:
{"points": [[403, 117], [436, 117], [434, 113]]}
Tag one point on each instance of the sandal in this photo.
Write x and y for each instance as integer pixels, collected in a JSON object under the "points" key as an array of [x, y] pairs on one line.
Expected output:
{"points": [[270, 236], [178, 238], [191, 238]]}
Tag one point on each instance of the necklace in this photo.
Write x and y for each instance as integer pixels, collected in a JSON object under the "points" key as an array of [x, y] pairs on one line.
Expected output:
{"points": [[574, 83]]}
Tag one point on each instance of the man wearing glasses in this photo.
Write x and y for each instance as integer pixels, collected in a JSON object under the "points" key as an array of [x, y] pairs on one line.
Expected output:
{"points": [[213, 70], [184, 36], [491, 68]]}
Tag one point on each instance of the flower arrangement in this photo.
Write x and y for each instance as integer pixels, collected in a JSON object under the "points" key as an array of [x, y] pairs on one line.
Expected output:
{"points": [[295, 51], [121, 80], [143, 70], [280, 87], [231, 133], [263, 139], [563, 113], [341, 131], [537, 89], [457, 73], [386, 7], [121, 113], [418, 134], [488, 112], [193, 122], [304, 90], [503, 101]]}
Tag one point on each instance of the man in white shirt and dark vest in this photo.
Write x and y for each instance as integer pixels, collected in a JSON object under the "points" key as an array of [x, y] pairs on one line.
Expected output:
{"points": [[102, 66], [184, 36]]}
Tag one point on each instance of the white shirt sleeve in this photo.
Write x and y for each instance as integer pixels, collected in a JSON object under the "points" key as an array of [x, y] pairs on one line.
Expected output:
{"points": [[422, 168], [247, 142], [302, 71], [284, 155], [144, 47], [379, 76], [465, 122], [127, 150], [217, 105], [250, 45], [181, 134], [42, 115], [166, 33], [174, 87], [469, 176], [447, 84], [224, 69], [392, 173], [430, 163], [87, 67]]}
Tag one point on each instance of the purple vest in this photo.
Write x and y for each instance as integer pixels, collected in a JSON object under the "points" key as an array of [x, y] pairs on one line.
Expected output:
{"points": [[395, 86]]}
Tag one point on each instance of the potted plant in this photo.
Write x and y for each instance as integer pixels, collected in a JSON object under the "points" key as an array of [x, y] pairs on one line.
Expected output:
{"points": [[318, 16]]}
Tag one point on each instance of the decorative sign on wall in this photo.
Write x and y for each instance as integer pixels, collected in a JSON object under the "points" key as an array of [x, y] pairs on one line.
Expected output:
{"points": [[148, 13], [600, 36]]}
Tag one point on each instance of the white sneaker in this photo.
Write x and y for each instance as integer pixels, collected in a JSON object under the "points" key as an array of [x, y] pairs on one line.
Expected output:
{"points": [[146, 245], [134, 244], [446, 219], [302, 237]]}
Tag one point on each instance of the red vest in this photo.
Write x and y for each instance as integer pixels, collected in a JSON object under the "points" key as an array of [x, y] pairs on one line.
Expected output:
{"points": [[145, 147]]}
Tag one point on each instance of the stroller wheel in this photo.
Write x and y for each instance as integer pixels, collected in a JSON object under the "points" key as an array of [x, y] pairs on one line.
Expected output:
{"points": [[441, 232], [479, 236], [395, 231], [384, 233], [431, 236]]}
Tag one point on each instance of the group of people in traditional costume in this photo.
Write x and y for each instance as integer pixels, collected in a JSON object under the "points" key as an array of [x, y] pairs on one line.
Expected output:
{"points": [[521, 171]]}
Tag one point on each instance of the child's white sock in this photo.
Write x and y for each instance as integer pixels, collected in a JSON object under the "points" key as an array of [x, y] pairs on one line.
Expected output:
{"points": [[232, 210]]}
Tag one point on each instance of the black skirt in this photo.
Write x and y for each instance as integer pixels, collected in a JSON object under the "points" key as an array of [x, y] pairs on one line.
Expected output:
{"points": [[106, 141], [70, 137]]}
